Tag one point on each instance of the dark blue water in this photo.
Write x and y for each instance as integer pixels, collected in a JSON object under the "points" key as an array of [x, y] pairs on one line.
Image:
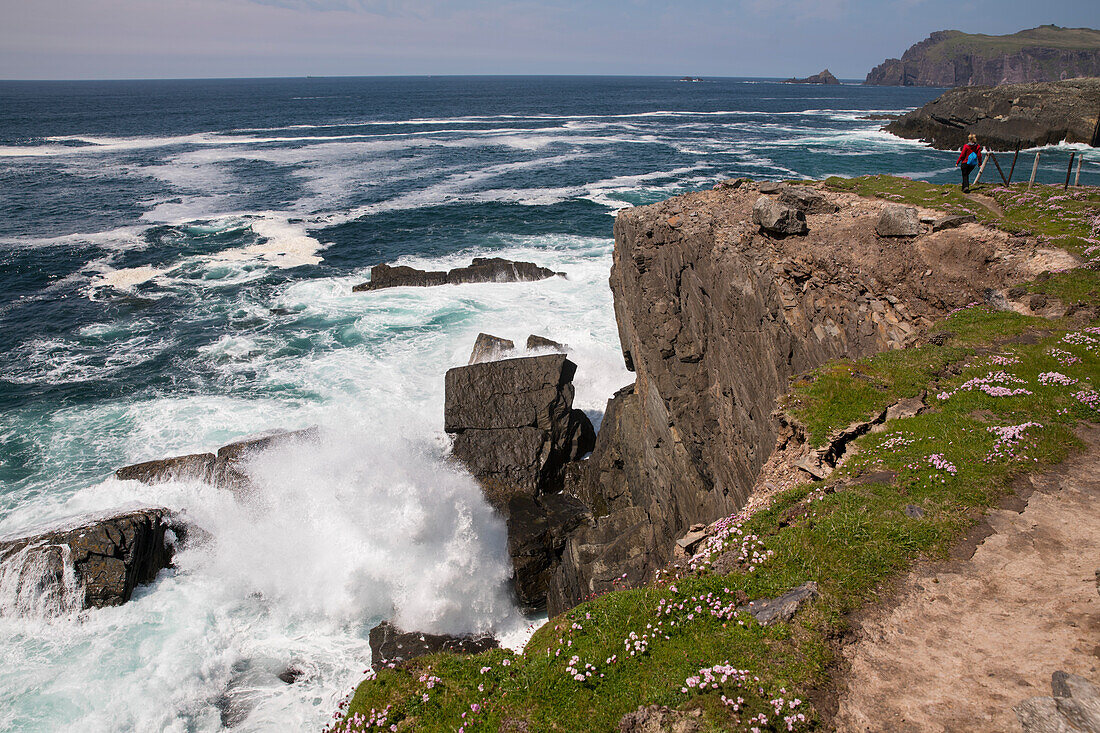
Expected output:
{"points": [[176, 263]]}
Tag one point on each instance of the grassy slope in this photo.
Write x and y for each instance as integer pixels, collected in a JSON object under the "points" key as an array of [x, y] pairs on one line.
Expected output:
{"points": [[849, 537], [1047, 36]]}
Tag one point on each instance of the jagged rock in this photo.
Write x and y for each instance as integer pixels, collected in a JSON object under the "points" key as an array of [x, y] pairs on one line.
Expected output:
{"points": [[1074, 707], [770, 187], [390, 645], [537, 529], [291, 674], [514, 423], [195, 467], [93, 565], [784, 607], [807, 200], [822, 77], [1004, 117], [1040, 715], [490, 348], [777, 218], [898, 221], [481, 270], [950, 222], [661, 719], [731, 183], [541, 342], [230, 467]]}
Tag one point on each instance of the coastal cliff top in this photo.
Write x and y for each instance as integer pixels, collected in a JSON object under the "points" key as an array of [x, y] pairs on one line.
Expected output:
{"points": [[948, 43]]}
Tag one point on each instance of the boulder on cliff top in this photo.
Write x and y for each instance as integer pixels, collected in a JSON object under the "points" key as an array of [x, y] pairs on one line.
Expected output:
{"points": [[898, 221], [481, 270], [93, 565], [389, 645], [807, 200], [778, 218], [490, 348]]}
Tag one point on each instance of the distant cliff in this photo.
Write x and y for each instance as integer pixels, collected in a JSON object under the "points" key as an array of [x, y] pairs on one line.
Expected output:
{"points": [[954, 58], [1005, 116]]}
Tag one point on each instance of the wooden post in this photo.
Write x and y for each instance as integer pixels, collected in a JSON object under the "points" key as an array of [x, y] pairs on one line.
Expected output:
{"points": [[981, 170], [1069, 169], [1077, 178], [991, 155], [1034, 170], [1014, 157]]}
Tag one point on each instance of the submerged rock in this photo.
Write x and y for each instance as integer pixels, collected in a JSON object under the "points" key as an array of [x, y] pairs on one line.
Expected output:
{"points": [[481, 270], [195, 467], [93, 565], [390, 645]]}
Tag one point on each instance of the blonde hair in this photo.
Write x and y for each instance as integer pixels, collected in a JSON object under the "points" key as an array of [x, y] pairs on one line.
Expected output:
{"points": [[972, 138]]}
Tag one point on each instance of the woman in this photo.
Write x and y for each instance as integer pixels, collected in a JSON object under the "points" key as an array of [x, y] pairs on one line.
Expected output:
{"points": [[969, 159]]}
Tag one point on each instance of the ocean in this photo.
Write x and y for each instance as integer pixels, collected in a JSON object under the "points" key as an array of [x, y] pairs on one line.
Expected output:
{"points": [[176, 269]]}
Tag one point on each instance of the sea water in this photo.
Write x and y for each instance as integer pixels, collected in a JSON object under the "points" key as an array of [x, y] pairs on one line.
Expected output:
{"points": [[176, 269]]}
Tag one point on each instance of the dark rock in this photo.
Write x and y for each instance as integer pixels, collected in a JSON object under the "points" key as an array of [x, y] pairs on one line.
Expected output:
{"points": [[107, 559], [784, 607], [388, 276], [537, 529], [541, 342], [661, 719], [390, 645], [913, 511], [230, 467], [950, 222], [939, 338], [953, 58], [490, 348], [776, 218], [1037, 302], [807, 200], [1007, 116], [822, 77], [514, 423], [195, 467], [497, 270], [291, 674], [898, 221], [1016, 293]]}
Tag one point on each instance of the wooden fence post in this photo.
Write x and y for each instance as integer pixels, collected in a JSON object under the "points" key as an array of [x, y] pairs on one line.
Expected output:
{"points": [[981, 170], [991, 155], [1013, 168], [1034, 170], [1069, 169], [1077, 178]]}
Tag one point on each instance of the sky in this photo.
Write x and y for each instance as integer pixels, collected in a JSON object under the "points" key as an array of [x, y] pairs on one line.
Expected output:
{"points": [[122, 39]]}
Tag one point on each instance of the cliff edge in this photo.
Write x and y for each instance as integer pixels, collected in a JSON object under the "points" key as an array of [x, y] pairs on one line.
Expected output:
{"points": [[954, 58]]}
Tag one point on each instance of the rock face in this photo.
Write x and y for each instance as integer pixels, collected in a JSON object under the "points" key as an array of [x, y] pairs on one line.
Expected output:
{"points": [[390, 645], [822, 77], [514, 423], [777, 218], [516, 430], [490, 348], [953, 58], [94, 565], [1074, 707], [1003, 117], [898, 221], [714, 318], [481, 270], [195, 467]]}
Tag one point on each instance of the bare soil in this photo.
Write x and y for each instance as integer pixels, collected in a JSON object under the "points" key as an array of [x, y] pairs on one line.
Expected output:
{"points": [[962, 642]]}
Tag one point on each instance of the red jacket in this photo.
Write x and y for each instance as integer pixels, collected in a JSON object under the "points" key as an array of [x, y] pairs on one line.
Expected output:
{"points": [[967, 150]]}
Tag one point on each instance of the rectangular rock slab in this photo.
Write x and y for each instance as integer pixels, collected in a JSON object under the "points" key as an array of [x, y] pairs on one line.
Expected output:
{"points": [[510, 393]]}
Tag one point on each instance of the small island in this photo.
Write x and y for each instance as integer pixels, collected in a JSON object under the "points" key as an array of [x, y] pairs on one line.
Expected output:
{"points": [[823, 77]]}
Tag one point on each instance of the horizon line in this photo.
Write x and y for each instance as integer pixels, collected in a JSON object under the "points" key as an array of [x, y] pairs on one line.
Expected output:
{"points": [[677, 77]]}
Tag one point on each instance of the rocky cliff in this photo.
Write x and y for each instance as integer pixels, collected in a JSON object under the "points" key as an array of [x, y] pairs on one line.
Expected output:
{"points": [[1005, 116], [715, 315], [953, 58]]}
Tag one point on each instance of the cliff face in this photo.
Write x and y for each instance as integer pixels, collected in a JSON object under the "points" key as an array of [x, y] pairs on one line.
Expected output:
{"points": [[1005, 116], [953, 58], [714, 318]]}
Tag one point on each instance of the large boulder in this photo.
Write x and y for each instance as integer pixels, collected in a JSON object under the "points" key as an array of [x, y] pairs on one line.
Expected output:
{"points": [[194, 467], [541, 342], [778, 218], [807, 200], [95, 564], [898, 221], [389, 645], [514, 423], [490, 348], [481, 270]]}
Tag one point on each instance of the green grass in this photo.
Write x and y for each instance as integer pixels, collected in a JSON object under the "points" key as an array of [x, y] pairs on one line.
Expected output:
{"points": [[848, 535], [981, 45]]}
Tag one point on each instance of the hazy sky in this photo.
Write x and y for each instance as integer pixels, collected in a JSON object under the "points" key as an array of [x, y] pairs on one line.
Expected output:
{"points": [[108, 39]]}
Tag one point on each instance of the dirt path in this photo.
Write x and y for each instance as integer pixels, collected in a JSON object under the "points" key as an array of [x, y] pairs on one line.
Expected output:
{"points": [[965, 641], [987, 201]]}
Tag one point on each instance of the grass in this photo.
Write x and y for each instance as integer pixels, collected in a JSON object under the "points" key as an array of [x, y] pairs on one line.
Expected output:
{"points": [[850, 535], [979, 44]]}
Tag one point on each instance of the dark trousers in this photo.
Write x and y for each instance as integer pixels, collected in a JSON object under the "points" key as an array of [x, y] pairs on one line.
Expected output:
{"points": [[966, 168]]}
